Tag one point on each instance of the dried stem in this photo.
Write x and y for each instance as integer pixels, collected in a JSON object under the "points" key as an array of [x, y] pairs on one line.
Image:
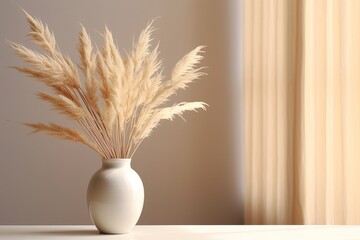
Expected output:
{"points": [[120, 102]]}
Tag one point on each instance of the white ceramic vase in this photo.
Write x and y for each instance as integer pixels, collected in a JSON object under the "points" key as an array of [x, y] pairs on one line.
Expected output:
{"points": [[115, 197]]}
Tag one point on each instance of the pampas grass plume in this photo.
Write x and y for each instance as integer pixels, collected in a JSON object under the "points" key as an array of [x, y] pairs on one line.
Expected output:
{"points": [[120, 101]]}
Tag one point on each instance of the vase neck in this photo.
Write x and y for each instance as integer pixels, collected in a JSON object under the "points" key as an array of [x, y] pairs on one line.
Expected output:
{"points": [[116, 162]]}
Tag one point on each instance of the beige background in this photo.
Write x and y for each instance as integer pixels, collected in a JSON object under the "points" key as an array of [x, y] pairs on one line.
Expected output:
{"points": [[191, 172]]}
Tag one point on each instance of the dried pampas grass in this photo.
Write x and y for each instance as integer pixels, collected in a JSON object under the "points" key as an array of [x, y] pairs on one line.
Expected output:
{"points": [[120, 102]]}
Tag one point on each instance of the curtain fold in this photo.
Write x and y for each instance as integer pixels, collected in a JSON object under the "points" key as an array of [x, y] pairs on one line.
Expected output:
{"points": [[302, 111]]}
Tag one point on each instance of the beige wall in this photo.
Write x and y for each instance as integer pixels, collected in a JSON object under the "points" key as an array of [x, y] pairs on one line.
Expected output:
{"points": [[191, 171]]}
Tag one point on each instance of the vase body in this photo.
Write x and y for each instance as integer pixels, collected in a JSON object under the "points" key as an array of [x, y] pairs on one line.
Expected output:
{"points": [[115, 197]]}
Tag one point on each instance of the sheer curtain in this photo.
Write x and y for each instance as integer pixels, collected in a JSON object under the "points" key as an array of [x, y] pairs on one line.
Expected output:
{"points": [[302, 111]]}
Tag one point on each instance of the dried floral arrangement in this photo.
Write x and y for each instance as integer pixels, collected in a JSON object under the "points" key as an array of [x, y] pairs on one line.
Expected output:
{"points": [[120, 101]]}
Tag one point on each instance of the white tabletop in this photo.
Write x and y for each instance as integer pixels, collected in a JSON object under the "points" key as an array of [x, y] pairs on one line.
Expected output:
{"points": [[184, 232]]}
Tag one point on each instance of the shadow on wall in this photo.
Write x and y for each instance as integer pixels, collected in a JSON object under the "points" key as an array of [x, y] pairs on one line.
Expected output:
{"points": [[201, 183]]}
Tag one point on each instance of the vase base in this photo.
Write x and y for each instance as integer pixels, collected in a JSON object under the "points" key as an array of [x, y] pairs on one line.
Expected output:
{"points": [[113, 233]]}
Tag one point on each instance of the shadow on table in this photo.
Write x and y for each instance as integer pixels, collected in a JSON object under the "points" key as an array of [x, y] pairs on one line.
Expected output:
{"points": [[60, 234], [78, 233], [84, 232], [40, 232]]}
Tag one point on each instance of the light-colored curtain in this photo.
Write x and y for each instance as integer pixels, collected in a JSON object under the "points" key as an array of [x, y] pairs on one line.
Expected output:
{"points": [[302, 111]]}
